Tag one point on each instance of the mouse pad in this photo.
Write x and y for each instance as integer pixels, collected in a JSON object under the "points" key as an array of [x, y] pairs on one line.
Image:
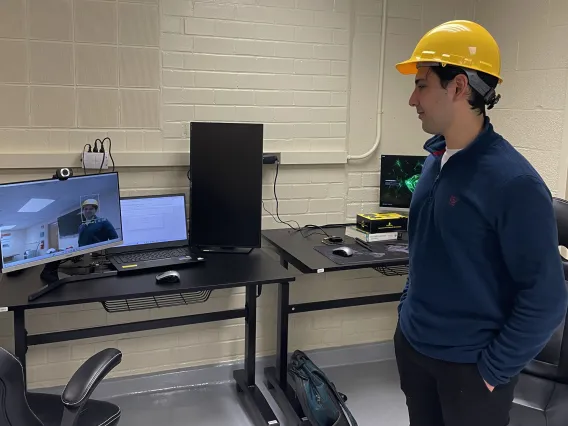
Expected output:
{"points": [[362, 255]]}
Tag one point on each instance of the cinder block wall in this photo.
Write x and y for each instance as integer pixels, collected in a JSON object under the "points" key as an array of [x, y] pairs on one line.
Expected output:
{"points": [[136, 71]]}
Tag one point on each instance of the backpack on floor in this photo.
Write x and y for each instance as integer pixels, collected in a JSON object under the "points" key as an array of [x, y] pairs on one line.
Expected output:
{"points": [[323, 405]]}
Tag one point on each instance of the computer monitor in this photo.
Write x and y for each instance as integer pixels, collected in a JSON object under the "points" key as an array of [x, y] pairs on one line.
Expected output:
{"points": [[48, 221], [154, 219], [225, 186], [399, 176]]}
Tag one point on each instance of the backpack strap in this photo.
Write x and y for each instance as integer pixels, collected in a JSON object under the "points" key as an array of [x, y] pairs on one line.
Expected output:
{"points": [[339, 397]]}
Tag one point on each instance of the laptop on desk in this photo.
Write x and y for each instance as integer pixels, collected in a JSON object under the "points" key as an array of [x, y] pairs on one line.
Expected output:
{"points": [[154, 230]]}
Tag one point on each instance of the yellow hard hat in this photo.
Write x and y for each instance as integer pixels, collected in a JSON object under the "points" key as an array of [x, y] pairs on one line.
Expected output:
{"points": [[90, 202], [461, 43]]}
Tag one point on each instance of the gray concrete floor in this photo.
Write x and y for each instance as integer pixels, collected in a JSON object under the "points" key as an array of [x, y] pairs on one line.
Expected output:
{"points": [[372, 388]]}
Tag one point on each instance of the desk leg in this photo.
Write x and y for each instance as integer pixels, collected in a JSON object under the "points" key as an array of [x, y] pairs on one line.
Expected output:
{"points": [[260, 411], [277, 377], [20, 338], [250, 336], [282, 330]]}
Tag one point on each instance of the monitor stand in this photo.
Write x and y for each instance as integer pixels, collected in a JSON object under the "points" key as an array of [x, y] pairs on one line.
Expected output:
{"points": [[50, 276]]}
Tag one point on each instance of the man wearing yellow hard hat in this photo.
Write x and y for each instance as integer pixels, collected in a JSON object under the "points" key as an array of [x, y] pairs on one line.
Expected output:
{"points": [[94, 229], [486, 289]]}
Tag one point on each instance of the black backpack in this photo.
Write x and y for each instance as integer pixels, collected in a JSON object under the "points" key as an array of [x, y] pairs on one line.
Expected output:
{"points": [[323, 405]]}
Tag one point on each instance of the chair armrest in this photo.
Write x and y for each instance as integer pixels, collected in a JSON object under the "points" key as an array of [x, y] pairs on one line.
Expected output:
{"points": [[88, 376]]}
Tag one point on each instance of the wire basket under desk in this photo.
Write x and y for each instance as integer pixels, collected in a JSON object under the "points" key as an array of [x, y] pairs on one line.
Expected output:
{"points": [[152, 302], [392, 271]]}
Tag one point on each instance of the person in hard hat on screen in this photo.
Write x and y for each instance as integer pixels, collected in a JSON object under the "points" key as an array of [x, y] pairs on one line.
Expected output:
{"points": [[94, 229], [485, 289]]}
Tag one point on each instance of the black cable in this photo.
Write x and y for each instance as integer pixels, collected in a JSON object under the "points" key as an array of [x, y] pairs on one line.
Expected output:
{"points": [[277, 204], [83, 156], [322, 228], [309, 234], [266, 210], [335, 225], [102, 151], [109, 150], [278, 220], [102, 162], [316, 229]]}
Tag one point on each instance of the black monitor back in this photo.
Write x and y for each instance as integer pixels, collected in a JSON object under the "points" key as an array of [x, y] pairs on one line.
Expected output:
{"points": [[225, 185]]}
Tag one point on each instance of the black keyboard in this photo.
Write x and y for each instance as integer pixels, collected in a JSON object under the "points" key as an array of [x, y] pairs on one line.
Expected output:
{"points": [[154, 255]]}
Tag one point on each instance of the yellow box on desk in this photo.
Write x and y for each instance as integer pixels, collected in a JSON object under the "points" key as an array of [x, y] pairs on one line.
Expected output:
{"points": [[381, 222]]}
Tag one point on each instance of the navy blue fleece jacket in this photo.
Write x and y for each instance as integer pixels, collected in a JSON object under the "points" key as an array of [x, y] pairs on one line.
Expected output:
{"points": [[486, 283]]}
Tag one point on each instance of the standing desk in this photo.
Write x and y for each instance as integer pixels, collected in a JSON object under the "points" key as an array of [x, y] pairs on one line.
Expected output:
{"points": [[296, 249], [140, 291]]}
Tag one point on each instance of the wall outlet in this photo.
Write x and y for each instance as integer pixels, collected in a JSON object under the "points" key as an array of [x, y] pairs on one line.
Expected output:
{"points": [[185, 131], [92, 160]]}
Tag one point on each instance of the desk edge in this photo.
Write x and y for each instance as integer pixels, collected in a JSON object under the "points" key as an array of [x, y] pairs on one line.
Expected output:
{"points": [[162, 292]]}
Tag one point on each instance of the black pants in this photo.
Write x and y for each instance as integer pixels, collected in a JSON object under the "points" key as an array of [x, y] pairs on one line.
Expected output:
{"points": [[440, 393]]}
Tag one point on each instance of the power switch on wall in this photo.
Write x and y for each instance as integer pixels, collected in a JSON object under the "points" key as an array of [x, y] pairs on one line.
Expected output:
{"points": [[93, 160]]}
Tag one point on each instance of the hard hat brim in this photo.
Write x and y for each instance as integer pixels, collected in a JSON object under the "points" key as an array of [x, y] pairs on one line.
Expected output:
{"points": [[407, 67], [410, 67]]}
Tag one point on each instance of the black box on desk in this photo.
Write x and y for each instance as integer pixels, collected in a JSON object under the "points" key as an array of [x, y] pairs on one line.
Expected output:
{"points": [[381, 222]]}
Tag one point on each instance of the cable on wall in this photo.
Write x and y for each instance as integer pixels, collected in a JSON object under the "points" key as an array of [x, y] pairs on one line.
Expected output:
{"points": [[306, 230], [381, 93], [88, 148], [109, 151], [83, 156]]}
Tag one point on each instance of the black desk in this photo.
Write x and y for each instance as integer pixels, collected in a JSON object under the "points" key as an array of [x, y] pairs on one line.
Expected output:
{"points": [[219, 271], [293, 248]]}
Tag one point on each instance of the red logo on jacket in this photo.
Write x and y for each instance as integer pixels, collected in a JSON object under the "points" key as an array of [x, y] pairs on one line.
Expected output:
{"points": [[453, 200]]}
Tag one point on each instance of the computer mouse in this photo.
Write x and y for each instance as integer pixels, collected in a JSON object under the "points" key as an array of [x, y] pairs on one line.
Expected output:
{"points": [[168, 277], [343, 251]]}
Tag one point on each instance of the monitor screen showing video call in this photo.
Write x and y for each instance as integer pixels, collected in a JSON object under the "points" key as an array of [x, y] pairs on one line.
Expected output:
{"points": [[50, 220]]}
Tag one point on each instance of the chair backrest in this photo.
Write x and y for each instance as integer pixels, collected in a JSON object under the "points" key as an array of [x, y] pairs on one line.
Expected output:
{"points": [[561, 211], [14, 408], [552, 362]]}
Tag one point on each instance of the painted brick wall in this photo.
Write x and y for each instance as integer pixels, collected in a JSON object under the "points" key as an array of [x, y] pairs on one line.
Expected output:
{"points": [[533, 111], [277, 62], [306, 68]]}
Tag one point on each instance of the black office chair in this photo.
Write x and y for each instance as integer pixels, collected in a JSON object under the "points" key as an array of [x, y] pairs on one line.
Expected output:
{"points": [[72, 408], [541, 396]]}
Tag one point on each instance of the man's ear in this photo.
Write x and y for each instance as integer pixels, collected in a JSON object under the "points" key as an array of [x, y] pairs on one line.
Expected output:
{"points": [[461, 87]]}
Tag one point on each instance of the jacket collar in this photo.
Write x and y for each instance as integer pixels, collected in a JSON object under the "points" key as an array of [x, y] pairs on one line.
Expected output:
{"points": [[437, 144], [94, 219]]}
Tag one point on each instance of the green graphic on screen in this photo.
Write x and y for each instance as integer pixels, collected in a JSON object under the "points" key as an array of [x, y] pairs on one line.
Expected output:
{"points": [[399, 177]]}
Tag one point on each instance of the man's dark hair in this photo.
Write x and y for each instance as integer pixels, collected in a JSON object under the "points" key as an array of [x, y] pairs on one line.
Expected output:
{"points": [[449, 72]]}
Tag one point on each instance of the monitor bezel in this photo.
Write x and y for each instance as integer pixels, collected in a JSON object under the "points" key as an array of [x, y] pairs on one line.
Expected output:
{"points": [[61, 257], [398, 207], [150, 246]]}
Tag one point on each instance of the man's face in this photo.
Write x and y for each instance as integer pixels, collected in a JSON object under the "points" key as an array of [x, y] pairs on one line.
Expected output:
{"points": [[89, 211], [433, 103]]}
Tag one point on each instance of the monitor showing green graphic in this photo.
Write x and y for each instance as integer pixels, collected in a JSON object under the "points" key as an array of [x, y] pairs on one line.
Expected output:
{"points": [[399, 176]]}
